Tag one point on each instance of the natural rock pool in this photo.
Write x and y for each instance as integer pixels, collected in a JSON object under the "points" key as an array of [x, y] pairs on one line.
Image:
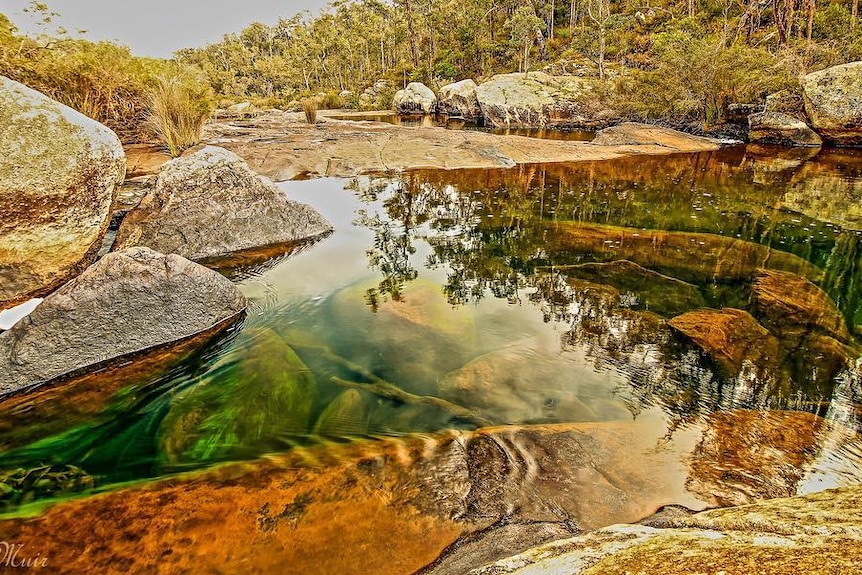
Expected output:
{"points": [[454, 300]]}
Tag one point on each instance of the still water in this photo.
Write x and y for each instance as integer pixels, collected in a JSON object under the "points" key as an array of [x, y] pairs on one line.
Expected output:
{"points": [[461, 299], [460, 124]]}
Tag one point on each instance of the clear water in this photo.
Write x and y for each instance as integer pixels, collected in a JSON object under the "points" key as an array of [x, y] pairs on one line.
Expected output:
{"points": [[467, 298]]}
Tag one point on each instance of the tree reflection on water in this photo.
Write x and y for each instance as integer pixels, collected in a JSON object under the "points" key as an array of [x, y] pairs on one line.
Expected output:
{"points": [[615, 249]]}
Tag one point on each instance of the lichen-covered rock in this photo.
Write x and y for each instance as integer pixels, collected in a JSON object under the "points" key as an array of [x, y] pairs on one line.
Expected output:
{"points": [[459, 100], [125, 303], [833, 100], [416, 98], [58, 171], [778, 129], [540, 100], [818, 534], [785, 102], [211, 204]]}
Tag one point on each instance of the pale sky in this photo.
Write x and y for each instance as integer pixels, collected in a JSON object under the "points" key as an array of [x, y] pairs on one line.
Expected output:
{"points": [[159, 27]]}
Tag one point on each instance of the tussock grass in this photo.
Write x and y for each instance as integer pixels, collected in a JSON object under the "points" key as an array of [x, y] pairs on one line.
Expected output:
{"points": [[309, 106], [178, 109]]}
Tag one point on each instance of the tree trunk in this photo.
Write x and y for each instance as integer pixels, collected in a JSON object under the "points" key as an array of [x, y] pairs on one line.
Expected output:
{"points": [[553, 16], [414, 52], [854, 15], [811, 7]]}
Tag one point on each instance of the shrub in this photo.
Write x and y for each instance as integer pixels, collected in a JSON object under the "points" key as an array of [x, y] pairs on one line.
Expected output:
{"points": [[329, 101], [179, 105], [696, 77]]}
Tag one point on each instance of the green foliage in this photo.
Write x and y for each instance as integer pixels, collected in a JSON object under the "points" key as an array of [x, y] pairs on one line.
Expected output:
{"points": [[179, 105], [666, 61], [696, 77], [524, 27]]}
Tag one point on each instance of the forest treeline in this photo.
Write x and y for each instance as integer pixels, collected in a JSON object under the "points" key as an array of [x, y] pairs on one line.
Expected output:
{"points": [[664, 60]]}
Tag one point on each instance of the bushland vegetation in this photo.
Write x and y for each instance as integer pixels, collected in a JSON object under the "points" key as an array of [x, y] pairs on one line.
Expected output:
{"points": [[662, 59], [139, 98], [676, 61]]}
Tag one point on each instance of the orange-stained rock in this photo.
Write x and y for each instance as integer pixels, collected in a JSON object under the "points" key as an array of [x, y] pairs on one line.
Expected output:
{"points": [[788, 302], [393, 506], [731, 336]]}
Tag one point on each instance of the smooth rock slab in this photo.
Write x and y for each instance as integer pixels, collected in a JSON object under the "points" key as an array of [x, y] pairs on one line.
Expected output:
{"points": [[58, 170], [127, 302], [211, 204]]}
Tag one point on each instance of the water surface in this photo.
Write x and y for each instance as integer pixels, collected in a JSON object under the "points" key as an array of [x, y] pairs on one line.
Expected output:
{"points": [[453, 300]]}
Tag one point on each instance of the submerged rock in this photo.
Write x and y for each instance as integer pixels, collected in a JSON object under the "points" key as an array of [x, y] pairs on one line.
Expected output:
{"points": [[773, 128], [643, 288], [540, 100], [416, 98], [210, 204], [731, 336], [261, 400], [346, 416], [127, 302], [58, 171], [692, 257], [790, 303], [517, 384], [441, 503], [459, 100], [833, 100]]}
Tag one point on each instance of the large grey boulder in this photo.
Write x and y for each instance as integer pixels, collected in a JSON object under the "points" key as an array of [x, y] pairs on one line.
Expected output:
{"points": [[416, 98], [126, 302], [210, 204], [774, 128], [58, 171], [833, 100], [459, 100], [540, 100]]}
